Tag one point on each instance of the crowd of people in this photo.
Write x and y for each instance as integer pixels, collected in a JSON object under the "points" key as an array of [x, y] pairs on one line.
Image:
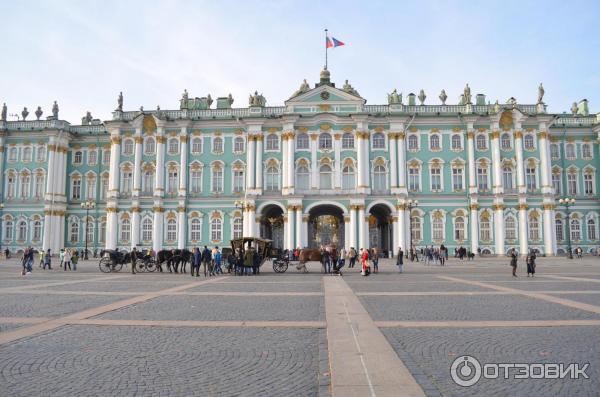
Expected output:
{"points": [[67, 257]]}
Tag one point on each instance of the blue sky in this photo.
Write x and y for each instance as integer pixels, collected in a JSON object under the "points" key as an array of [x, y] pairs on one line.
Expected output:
{"points": [[83, 53]]}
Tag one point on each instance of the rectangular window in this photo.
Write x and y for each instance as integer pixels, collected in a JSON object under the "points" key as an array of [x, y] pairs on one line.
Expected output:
{"points": [[413, 179], [39, 186], [126, 189], [76, 189], [104, 187], [172, 182], [217, 181], [196, 181], [238, 181], [106, 157], [482, 178], [436, 179], [10, 187], [588, 184], [530, 179], [457, 179], [556, 184], [572, 184], [91, 189]]}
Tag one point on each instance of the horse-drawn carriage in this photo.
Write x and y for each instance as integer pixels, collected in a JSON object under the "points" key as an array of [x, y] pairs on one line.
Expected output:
{"points": [[264, 249]]}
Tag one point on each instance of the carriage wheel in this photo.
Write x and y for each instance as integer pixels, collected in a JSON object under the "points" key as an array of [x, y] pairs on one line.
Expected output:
{"points": [[279, 266], [118, 267], [151, 265], [140, 266], [105, 265]]}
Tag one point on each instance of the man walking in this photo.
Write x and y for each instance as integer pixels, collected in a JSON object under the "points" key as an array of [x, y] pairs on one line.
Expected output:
{"points": [[352, 257], [400, 260], [133, 259], [196, 260], [206, 259]]}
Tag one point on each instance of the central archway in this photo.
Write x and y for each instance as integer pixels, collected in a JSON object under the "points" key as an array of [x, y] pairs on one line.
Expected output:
{"points": [[325, 226], [380, 228], [271, 224]]}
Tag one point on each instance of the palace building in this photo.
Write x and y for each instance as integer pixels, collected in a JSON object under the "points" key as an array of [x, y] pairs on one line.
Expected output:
{"points": [[323, 168]]}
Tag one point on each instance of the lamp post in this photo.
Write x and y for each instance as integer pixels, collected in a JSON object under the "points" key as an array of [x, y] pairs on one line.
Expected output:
{"points": [[411, 204], [241, 204], [87, 206], [568, 202]]}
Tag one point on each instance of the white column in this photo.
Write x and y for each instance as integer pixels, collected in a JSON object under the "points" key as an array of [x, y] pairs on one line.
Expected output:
{"points": [[314, 163], [347, 231], [183, 162], [298, 242], [259, 163], [181, 235], [471, 161], [474, 225], [284, 163], [523, 242], [363, 234], [496, 163], [304, 234], [544, 163], [159, 182], [2, 166], [115, 172], [549, 230], [290, 227], [353, 224], [135, 226], [395, 236], [393, 145], [519, 154], [337, 150], [401, 229], [157, 229], [291, 158], [499, 228], [251, 215], [49, 192], [401, 161], [250, 163], [111, 228], [137, 165], [362, 155]]}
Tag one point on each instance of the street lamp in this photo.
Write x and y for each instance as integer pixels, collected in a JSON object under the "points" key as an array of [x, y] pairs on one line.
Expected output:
{"points": [[411, 204], [87, 206], [568, 202], [241, 204]]}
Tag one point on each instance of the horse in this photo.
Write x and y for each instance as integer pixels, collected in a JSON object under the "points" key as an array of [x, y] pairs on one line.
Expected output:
{"points": [[173, 258], [314, 254]]}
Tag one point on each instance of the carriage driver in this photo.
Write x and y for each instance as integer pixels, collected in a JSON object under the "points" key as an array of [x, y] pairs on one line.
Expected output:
{"points": [[133, 259]]}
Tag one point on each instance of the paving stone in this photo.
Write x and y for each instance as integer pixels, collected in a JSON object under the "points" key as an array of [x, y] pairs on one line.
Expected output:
{"points": [[258, 287], [592, 299], [34, 305]]}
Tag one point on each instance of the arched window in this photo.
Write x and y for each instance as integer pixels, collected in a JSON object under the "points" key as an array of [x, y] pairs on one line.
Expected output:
{"points": [[147, 230], [530, 177], [90, 231], [534, 228], [528, 142], [237, 228], [150, 146], [171, 230], [78, 157], [41, 154], [459, 228], [217, 179], [554, 152], [37, 231], [272, 142], [22, 231], [484, 229], [12, 154], [325, 141], [456, 142], [216, 230], [415, 228], [148, 182], [510, 228], [507, 177], [481, 142], [437, 229], [197, 145], [348, 178], [302, 141], [379, 178], [272, 178], [325, 175], [505, 141], [586, 151], [217, 145], [378, 140], [238, 144], [302, 178], [8, 230], [125, 230], [74, 232], [196, 229], [558, 225], [173, 146], [348, 141], [413, 142], [128, 147], [575, 230], [591, 229], [27, 155], [92, 157], [434, 142], [570, 151], [25, 182]]}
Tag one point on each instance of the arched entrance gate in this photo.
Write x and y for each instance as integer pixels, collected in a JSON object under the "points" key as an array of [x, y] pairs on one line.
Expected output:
{"points": [[325, 226]]}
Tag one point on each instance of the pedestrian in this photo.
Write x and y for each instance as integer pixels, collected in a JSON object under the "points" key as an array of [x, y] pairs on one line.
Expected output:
{"points": [[513, 262], [364, 260], [48, 260], [442, 255], [133, 259], [342, 260], [375, 259], [41, 254], [196, 261], [218, 259], [67, 259], [400, 260], [75, 259], [352, 257], [531, 264], [61, 257], [326, 261], [206, 261]]}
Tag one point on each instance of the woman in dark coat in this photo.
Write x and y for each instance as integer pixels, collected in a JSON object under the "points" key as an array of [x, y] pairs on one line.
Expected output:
{"points": [[513, 262], [531, 264]]}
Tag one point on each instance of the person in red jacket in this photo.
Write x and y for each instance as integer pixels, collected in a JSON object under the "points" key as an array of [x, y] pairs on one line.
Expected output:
{"points": [[364, 259]]}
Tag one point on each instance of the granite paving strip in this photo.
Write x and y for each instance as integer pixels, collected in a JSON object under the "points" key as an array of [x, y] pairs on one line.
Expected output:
{"points": [[53, 284], [199, 324], [23, 320], [11, 336], [465, 293], [362, 361], [231, 293], [484, 324], [536, 295], [591, 280]]}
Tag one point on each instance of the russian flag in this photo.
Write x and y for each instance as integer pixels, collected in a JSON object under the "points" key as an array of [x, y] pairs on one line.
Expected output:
{"points": [[333, 42]]}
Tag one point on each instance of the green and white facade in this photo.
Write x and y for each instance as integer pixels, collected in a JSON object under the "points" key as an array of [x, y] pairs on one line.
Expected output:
{"points": [[486, 176]]}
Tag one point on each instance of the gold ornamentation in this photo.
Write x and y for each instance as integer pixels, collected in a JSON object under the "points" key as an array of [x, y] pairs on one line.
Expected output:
{"points": [[543, 134], [548, 206], [138, 139], [522, 206], [115, 140], [183, 138], [161, 139], [474, 207], [324, 127], [470, 134], [111, 210], [497, 207], [158, 209], [136, 209], [180, 209]]}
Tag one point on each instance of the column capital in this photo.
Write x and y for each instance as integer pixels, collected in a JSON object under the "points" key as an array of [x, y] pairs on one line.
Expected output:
{"points": [[115, 140], [181, 209], [161, 139], [518, 134], [138, 139], [548, 206], [474, 207], [470, 134], [158, 209], [495, 134], [136, 209], [543, 135], [498, 207], [522, 206]]}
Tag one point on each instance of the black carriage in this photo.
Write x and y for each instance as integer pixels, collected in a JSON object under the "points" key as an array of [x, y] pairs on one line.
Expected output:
{"points": [[263, 247], [113, 260]]}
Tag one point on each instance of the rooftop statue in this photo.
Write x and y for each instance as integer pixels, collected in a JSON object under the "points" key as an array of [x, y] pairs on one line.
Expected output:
{"points": [[496, 107], [512, 101], [574, 108], [39, 112], [25, 113], [4, 111], [184, 100], [422, 97], [257, 100], [540, 94], [230, 99], [142, 109], [209, 100], [87, 119], [120, 102], [467, 94], [55, 110], [304, 87], [394, 98], [443, 97], [349, 89]]}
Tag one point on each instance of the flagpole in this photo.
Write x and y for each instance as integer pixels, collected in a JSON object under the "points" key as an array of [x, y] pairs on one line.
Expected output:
{"points": [[325, 49]]}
